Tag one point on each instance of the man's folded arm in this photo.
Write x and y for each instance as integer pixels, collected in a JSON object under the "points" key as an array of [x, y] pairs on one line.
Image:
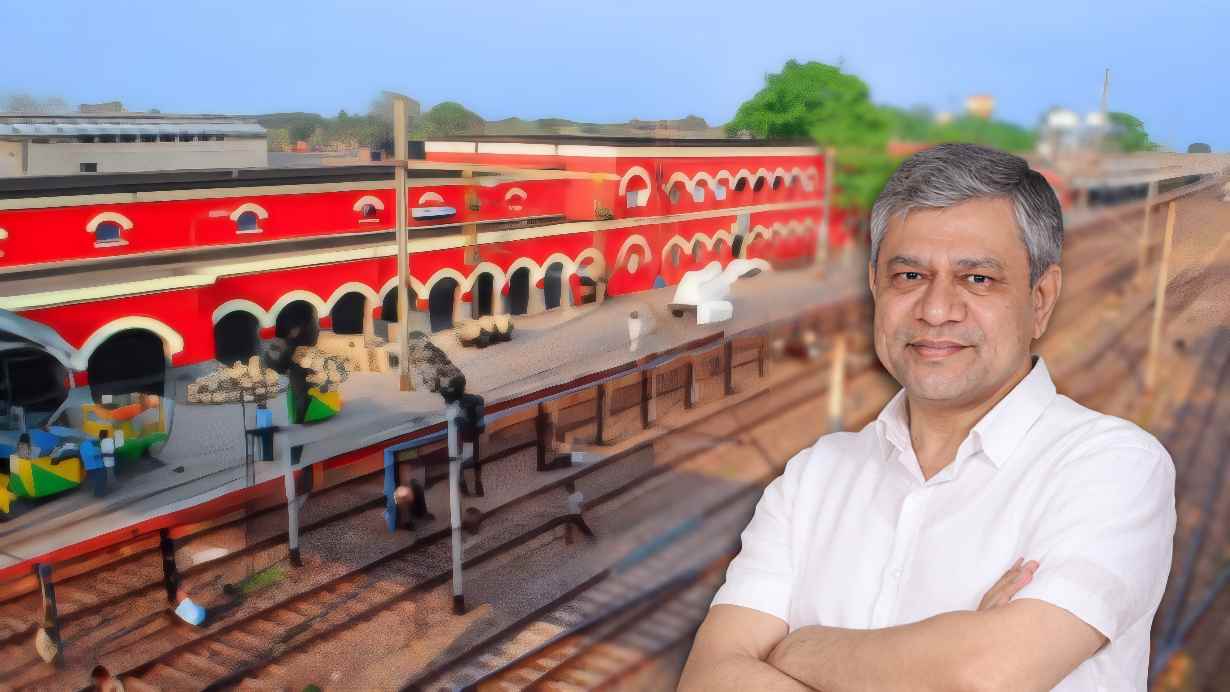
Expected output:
{"points": [[1103, 543], [1023, 645], [749, 613], [729, 651]]}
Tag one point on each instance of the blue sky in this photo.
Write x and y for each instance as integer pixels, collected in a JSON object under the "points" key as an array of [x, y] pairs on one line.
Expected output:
{"points": [[620, 59]]}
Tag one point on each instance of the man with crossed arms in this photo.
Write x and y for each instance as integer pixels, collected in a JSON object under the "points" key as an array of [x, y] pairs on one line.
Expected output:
{"points": [[984, 532]]}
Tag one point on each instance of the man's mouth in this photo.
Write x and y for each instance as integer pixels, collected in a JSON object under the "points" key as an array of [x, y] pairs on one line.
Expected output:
{"points": [[935, 350]]}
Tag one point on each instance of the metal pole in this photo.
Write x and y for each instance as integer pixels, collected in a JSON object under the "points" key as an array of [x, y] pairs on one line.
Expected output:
{"points": [[1159, 303], [401, 154], [837, 380], [1144, 232], [454, 502], [292, 505], [822, 249]]}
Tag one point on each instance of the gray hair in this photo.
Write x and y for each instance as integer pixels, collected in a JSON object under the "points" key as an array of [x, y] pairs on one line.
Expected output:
{"points": [[949, 174]]}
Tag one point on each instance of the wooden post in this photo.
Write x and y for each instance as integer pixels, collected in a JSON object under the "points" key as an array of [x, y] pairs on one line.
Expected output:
{"points": [[822, 243], [649, 397], [1159, 303], [547, 424], [837, 384], [401, 152], [47, 642], [469, 231], [690, 396], [728, 373], [170, 572], [1144, 233], [603, 401], [765, 356]]}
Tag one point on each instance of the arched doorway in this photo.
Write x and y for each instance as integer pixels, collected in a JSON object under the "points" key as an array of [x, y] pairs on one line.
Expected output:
{"points": [[440, 302], [236, 337], [519, 291], [32, 379], [553, 285], [298, 314], [482, 295], [348, 313], [131, 361]]}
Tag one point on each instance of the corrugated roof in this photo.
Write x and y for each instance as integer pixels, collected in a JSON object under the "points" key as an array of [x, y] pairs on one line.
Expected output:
{"points": [[94, 128]]}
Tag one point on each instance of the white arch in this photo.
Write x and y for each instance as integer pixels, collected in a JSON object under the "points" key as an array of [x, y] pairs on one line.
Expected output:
{"points": [[599, 262], [106, 216], [633, 172], [569, 264], [725, 175], [415, 285], [633, 241], [761, 231], [780, 173], [298, 294], [536, 271], [368, 199], [685, 248], [350, 287], [678, 177], [430, 197], [249, 207], [172, 342], [514, 198], [497, 275], [446, 272], [241, 305]]}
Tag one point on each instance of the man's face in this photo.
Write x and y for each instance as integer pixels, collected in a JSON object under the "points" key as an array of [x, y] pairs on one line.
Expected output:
{"points": [[954, 312]]}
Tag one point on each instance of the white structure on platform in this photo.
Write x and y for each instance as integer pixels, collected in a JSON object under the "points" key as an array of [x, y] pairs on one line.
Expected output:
{"points": [[706, 290]]}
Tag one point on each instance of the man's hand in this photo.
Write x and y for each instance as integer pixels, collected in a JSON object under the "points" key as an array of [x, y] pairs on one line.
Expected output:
{"points": [[1013, 581]]}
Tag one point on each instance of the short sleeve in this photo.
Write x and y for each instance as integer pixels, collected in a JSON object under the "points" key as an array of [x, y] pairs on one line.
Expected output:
{"points": [[760, 576], [1105, 539]]}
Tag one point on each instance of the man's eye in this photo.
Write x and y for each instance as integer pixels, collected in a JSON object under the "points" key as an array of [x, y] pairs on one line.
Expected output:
{"points": [[979, 279], [910, 276]]}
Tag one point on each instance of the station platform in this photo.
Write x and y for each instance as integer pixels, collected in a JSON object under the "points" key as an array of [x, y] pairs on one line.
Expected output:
{"points": [[202, 465]]}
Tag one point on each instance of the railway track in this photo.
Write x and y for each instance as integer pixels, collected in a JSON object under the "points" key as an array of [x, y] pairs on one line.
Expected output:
{"points": [[606, 648], [181, 647], [125, 587]]}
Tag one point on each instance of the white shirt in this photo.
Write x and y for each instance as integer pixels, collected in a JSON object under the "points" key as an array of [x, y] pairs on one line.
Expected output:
{"points": [[850, 535]]}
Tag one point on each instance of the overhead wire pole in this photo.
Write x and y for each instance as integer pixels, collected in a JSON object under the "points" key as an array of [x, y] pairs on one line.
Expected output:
{"points": [[401, 153]]}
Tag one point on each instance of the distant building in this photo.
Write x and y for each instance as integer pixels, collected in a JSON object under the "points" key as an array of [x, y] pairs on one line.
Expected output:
{"points": [[980, 106], [105, 107], [117, 142]]}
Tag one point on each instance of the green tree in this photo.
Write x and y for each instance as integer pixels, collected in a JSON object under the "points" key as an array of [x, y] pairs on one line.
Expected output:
{"points": [[834, 108], [278, 138], [1127, 133], [447, 119]]}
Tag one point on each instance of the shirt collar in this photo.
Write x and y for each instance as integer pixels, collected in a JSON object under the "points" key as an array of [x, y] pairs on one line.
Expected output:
{"points": [[1000, 430]]}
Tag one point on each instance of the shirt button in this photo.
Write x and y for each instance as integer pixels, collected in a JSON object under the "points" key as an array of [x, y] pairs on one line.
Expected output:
{"points": [[897, 573]]}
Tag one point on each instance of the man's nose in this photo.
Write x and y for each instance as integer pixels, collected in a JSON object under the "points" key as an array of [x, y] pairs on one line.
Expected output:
{"points": [[940, 303]]}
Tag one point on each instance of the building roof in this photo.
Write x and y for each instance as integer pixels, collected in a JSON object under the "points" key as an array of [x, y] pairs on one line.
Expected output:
{"points": [[612, 141], [78, 125]]}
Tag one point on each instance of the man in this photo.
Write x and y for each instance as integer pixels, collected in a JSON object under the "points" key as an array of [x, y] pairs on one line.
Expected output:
{"points": [[877, 560]]}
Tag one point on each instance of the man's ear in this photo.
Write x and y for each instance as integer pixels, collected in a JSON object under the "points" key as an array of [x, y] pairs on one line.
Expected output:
{"points": [[871, 278], [1045, 295]]}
